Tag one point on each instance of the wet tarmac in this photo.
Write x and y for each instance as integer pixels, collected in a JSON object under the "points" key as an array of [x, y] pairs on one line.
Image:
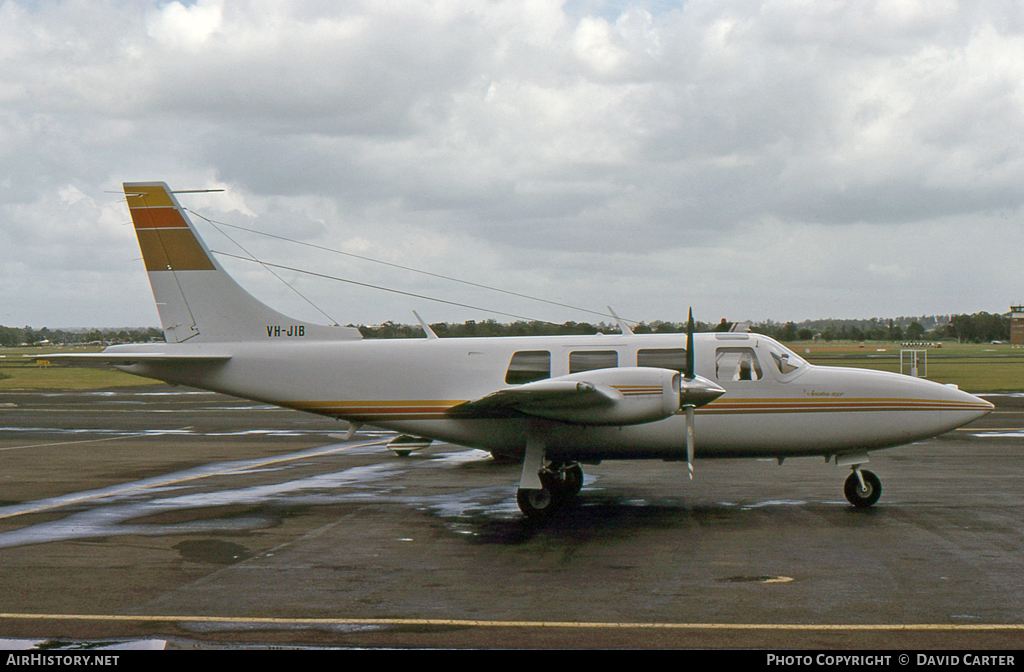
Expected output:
{"points": [[189, 517]]}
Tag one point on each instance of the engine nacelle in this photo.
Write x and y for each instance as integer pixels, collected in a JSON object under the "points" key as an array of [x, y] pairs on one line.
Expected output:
{"points": [[618, 396]]}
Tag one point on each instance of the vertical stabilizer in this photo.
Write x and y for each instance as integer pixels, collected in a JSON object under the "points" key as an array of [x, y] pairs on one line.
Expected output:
{"points": [[197, 300]]}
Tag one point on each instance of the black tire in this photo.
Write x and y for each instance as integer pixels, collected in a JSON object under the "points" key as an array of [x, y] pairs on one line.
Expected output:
{"points": [[862, 497], [573, 482], [536, 504]]}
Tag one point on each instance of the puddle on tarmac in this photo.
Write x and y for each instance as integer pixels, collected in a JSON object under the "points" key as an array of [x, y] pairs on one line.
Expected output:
{"points": [[149, 506], [756, 579], [82, 645], [185, 431], [775, 502], [213, 551], [171, 505]]}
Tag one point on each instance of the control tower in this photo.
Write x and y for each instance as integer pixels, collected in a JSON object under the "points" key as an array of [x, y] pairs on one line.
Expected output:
{"points": [[1017, 326]]}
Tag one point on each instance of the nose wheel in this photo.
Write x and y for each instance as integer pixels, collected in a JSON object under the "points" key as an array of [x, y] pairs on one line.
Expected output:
{"points": [[862, 488]]}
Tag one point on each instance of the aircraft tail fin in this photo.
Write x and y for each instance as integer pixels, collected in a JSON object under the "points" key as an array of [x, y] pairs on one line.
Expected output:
{"points": [[197, 300]]}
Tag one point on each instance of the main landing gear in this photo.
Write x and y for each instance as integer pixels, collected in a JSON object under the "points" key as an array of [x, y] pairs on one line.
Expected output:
{"points": [[862, 488], [559, 483]]}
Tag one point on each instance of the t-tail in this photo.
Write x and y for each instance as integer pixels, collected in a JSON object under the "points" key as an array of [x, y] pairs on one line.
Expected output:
{"points": [[197, 300]]}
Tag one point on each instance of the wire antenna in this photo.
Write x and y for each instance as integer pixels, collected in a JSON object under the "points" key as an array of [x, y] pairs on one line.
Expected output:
{"points": [[385, 289], [414, 270], [252, 257]]}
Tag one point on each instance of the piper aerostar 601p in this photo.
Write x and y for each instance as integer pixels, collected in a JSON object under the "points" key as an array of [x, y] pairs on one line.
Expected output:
{"points": [[552, 403]]}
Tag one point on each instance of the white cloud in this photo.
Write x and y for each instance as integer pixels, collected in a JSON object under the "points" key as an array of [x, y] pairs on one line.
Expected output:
{"points": [[644, 154], [179, 27]]}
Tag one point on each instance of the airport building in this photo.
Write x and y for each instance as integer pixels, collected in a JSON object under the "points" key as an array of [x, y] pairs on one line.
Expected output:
{"points": [[1017, 325]]}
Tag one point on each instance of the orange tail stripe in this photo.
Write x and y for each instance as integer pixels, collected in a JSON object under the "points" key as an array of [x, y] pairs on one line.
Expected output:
{"points": [[157, 218]]}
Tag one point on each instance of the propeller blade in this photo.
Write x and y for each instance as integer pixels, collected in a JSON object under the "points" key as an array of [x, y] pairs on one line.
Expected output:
{"points": [[689, 440], [689, 347], [694, 391]]}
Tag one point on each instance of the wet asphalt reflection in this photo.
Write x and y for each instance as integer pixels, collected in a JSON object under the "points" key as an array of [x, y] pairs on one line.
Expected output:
{"points": [[278, 483]]}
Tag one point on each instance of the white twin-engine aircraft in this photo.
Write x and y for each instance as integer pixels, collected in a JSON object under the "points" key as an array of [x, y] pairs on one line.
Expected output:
{"points": [[551, 402]]}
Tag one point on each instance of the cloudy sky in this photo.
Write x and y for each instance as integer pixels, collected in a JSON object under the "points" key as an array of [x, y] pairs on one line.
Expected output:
{"points": [[786, 159]]}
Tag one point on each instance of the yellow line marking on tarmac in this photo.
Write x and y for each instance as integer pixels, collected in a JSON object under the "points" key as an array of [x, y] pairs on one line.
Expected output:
{"points": [[153, 618], [197, 477]]}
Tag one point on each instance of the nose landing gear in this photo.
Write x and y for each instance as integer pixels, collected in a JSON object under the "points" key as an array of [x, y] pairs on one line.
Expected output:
{"points": [[862, 488]]}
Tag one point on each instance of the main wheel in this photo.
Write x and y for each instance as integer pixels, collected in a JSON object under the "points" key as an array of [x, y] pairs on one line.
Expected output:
{"points": [[573, 482], [540, 503], [866, 496], [535, 504]]}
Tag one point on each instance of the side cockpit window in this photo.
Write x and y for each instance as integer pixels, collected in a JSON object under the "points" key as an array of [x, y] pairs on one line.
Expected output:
{"points": [[663, 358], [737, 364], [782, 362], [528, 366], [786, 361]]}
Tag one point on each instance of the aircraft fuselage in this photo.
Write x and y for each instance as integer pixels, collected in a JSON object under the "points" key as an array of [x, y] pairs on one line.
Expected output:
{"points": [[775, 404]]}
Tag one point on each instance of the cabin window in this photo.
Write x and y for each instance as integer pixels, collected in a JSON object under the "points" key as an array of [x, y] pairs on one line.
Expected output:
{"points": [[737, 364], [663, 358], [528, 366], [588, 360]]}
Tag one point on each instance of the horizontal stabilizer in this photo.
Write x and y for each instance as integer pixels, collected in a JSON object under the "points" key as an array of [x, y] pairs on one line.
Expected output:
{"points": [[129, 358]]}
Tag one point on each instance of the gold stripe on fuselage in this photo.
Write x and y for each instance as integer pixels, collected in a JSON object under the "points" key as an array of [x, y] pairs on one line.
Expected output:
{"points": [[429, 409], [831, 405]]}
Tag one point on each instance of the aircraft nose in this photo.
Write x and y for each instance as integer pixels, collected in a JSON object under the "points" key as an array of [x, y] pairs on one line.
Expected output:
{"points": [[916, 408], [982, 406], [960, 408]]}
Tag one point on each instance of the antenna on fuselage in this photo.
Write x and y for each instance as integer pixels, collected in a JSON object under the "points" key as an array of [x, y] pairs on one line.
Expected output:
{"points": [[623, 327], [426, 327]]}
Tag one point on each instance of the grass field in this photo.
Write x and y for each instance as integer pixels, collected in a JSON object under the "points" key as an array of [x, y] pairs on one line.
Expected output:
{"points": [[974, 367], [19, 373]]}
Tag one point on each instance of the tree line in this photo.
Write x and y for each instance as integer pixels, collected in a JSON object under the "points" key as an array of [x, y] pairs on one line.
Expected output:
{"points": [[976, 328], [14, 336], [472, 328]]}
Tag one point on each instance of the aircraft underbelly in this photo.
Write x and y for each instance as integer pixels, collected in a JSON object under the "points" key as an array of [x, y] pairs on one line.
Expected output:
{"points": [[761, 435]]}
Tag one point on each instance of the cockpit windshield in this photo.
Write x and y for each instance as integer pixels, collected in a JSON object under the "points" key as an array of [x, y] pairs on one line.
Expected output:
{"points": [[786, 361]]}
